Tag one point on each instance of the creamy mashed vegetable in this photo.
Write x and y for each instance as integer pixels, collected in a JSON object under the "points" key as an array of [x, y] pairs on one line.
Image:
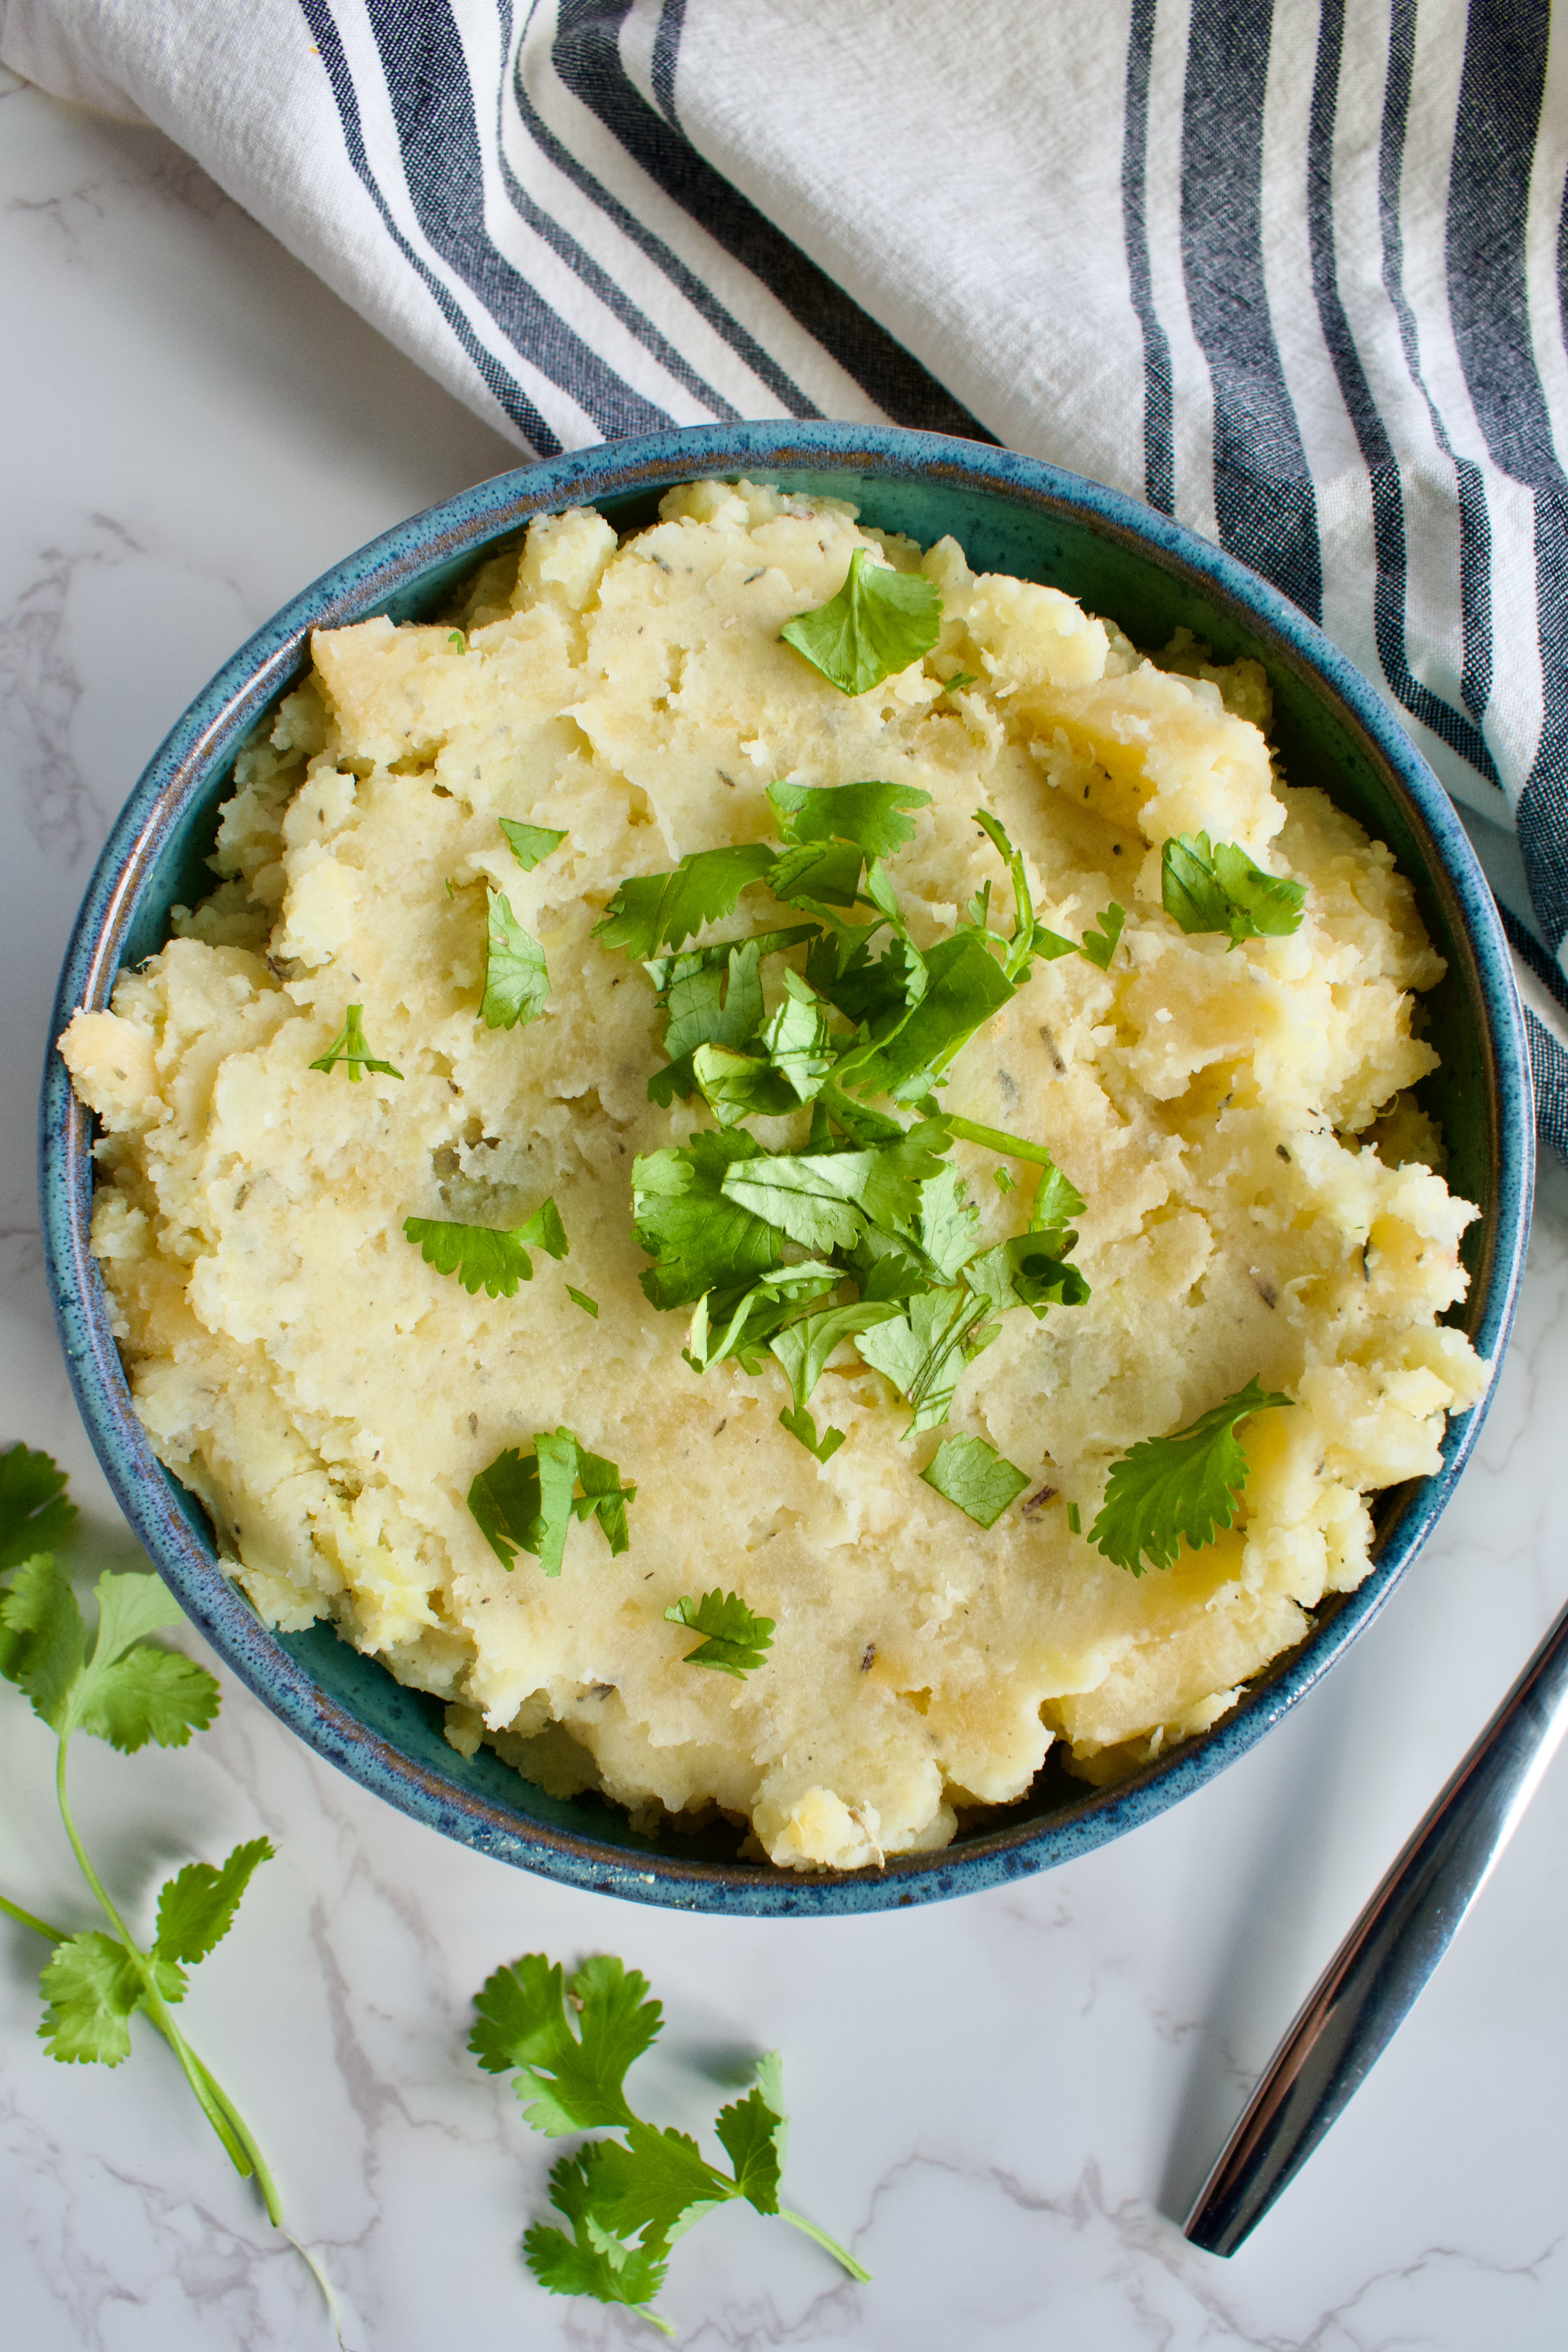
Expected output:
{"points": [[330, 1397]]}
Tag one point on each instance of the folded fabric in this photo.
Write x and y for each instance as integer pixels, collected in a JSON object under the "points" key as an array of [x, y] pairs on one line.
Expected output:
{"points": [[1288, 274]]}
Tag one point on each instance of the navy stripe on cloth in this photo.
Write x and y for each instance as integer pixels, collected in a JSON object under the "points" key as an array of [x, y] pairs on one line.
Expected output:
{"points": [[588, 59], [1159, 434], [1452, 726], [432, 101], [1549, 1063], [1500, 96], [498, 380], [1263, 500]]}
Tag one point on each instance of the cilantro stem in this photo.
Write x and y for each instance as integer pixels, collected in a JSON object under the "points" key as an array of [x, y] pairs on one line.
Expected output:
{"points": [[995, 1140], [39, 1927], [214, 2101], [831, 2246]]}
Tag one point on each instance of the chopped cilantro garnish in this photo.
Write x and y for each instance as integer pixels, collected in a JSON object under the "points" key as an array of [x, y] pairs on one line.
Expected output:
{"points": [[879, 622], [869, 815], [530, 843], [1216, 886], [662, 910], [700, 1238], [582, 1299], [735, 1641], [627, 2200], [1184, 1486], [975, 1476], [349, 1046], [1075, 1524], [959, 678], [34, 1512], [516, 982], [526, 1503], [1099, 944], [804, 1347], [489, 1257]]}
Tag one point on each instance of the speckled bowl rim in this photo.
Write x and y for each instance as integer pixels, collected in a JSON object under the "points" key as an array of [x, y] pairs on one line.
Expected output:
{"points": [[207, 736]]}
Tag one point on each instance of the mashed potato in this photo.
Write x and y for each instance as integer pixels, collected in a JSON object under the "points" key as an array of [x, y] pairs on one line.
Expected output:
{"points": [[330, 1397]]}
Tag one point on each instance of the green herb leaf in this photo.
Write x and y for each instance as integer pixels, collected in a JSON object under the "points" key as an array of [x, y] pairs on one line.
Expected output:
{"points": [[924, 1350], [525, 1503], [1186, 1485], [965, 986], [702, 1238], [751, 2135], [739, 1323], [1099, 944], [196, 1907], [827, 1201], [489, 1257], [35, 1515], [516, 981], [349, 1045], [581, 1298], [664, 970], [1216, 886], [659, 910], [530, 843], [92, 1986], [653, 2187], [869, 815], [43, 1641], [1023, 1272], [804, 1348], [797, 1040], [592, 2262], [975, 1476], [879, 622], [128, 1692], [736, 1640], [567, 2080], [950, 1222]]}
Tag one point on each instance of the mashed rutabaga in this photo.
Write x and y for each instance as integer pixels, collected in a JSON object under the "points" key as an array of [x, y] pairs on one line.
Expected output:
{"points": [[331, 1397]]}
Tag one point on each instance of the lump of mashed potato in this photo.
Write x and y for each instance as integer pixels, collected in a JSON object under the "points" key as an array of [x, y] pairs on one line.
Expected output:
{"points": [[330, 1397]]}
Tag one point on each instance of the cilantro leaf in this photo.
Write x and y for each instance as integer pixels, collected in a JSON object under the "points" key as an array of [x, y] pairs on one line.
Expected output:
{"points": [[950, 1222], [1023, 1272], [525, 1503], [664, 970], [516, 981], [804, 1347], [976, 1478], [879, 622], [530, 843], [657, 910], [1099, 944], [827, 1201], [702, 1238], [128, 1692], [653, 2187], [868, 814], [1216, 886], [581, 1298], [1185, 1484], [736, 1640], [35, 1515], [714, 1006], [592, 2262], [924, 1350], [196, 1907], [487, 1258], [739, 1085], [349, 1045], [43, 1641], [738, 1322], [751, 2133], [93, 1985], [797, 1039], [964, 986], [567, 2082]]}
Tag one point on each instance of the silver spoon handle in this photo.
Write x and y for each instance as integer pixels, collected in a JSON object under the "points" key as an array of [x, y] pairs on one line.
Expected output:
{"points": [[1362, 1997]]}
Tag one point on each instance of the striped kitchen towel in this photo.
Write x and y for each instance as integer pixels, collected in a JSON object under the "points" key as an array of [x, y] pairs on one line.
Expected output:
{"points": [[1291, 274]]}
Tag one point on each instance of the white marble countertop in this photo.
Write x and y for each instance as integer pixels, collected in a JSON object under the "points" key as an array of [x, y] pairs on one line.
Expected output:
{"points": [[1000, 2101]]}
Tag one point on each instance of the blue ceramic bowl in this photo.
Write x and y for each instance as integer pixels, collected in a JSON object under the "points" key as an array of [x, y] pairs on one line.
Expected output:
{"points": [[1011, 514]]}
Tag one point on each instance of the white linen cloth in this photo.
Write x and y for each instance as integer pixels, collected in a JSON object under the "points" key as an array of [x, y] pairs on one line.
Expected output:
{"points": [[1292, 273]]}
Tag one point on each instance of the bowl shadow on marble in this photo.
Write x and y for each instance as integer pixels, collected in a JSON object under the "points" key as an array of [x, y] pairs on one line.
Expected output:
{"points": [[1011, 514]]}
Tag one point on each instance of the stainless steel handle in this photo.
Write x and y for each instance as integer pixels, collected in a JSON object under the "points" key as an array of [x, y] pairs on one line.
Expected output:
{"points": [[1362, 1997]]}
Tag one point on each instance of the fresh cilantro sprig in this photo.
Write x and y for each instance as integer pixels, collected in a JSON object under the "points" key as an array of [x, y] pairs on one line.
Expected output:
{"points": [[1181, 1486], [349, 1045], [627, 2200], [878, 622], [516, 981], [527, 1502], [1215, 886], [735, 1640], [531, 844], [113, 1683], [491, 1258]]}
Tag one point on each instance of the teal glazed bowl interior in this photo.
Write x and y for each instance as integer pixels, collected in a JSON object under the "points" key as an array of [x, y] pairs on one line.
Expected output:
{"points": [[1010, 514]]}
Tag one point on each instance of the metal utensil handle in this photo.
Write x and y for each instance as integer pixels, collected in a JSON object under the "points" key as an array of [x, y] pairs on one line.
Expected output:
{"points": [[1358, 2003]]}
